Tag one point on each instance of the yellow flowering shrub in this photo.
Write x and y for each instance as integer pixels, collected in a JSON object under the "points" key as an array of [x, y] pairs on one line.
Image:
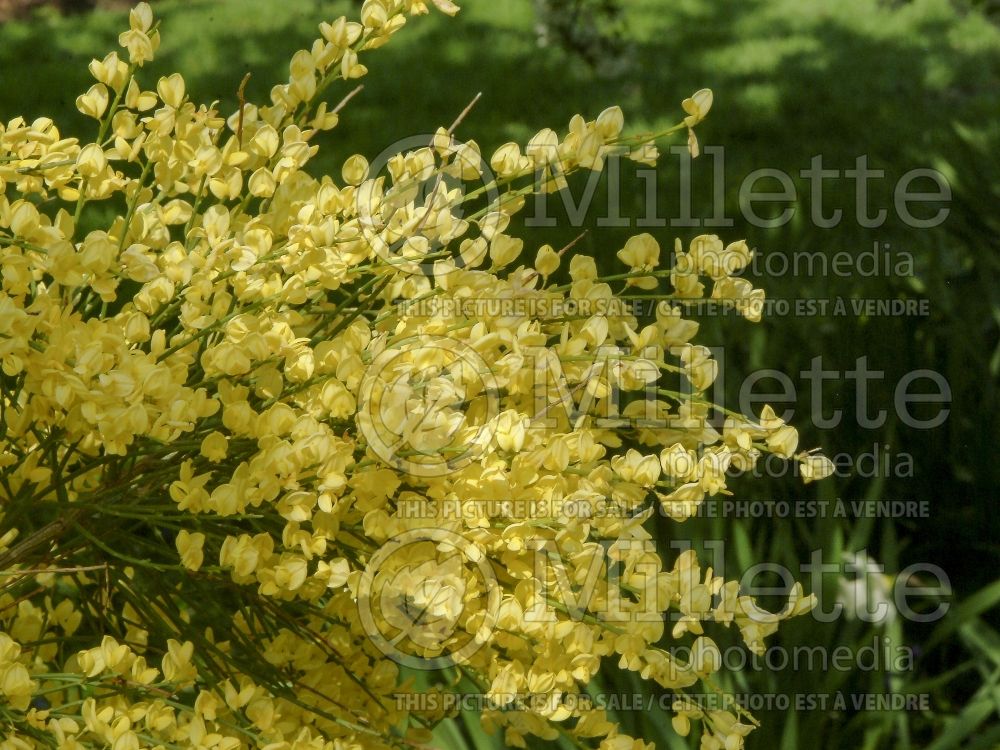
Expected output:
{"points": [[266, 450]]}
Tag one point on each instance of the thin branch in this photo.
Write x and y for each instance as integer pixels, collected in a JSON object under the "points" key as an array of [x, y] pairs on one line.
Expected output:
{"points": [[464, 113], [346, 99], [440, 177], [243, 106]]}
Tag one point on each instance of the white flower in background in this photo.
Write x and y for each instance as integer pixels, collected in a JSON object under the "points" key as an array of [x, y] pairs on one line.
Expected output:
{"points": [[866, 591]]}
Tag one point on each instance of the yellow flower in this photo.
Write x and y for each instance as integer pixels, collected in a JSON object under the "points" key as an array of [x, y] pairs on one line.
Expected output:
{"points": [[697, 106], [355, 170], [195, 321], [546, 261], [176, 665], [511, 431], [814, 467], [505, 249], [94, 102], [635, 467], [214, 447], [678, 462], [783, 441], [699, 366], [508, 161], [640, 251], [610, 123], [190, 548], [111, 71], [171, 90]]}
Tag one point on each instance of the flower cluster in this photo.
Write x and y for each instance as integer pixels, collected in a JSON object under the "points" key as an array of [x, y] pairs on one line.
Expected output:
{"points": [[256, 470]]}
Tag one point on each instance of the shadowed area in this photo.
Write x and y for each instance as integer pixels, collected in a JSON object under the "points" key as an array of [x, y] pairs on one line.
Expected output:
{"points": [[906, 86]]}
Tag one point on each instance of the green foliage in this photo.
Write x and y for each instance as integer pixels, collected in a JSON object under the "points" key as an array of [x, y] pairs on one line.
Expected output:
{"points": [[909, 85]]}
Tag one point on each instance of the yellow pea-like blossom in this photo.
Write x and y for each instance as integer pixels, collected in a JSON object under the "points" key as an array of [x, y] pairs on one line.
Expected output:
{"points": [[269, 436], [190, 548]]}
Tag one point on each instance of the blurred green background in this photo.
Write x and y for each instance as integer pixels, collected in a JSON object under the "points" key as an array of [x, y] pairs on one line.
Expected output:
{"points": [[907, 84]]}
